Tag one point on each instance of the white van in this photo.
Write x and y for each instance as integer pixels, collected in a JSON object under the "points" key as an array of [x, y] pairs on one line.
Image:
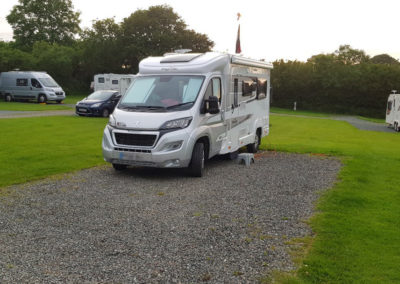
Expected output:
{"points": [[117, 82], [30, 85], [184, 108], [393, 111]]}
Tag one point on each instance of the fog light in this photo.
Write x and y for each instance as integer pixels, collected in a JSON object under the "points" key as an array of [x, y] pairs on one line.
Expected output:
{"points": [[172, 163], [171, 146]]}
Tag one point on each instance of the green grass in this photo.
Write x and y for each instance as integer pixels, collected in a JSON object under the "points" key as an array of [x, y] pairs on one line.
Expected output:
{"points": [[298, 112], [376, 120], [37, 147], [358, 228], [31, 106]]}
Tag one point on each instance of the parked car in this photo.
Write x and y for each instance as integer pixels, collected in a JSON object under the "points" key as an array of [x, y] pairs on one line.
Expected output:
{"points": [[99, 103], [30, 85]]}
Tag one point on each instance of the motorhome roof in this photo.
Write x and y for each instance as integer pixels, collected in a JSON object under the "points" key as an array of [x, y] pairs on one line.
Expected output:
{"points": [[196, 62]]}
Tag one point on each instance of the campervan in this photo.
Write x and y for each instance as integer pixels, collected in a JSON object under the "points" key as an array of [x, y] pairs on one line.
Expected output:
{"points": [[182, 109], [393, 111], [116, 82], [30, 85]]}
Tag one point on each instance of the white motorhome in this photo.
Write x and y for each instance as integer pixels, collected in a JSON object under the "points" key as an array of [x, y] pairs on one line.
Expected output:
{"points": [[393, 111], [30, 85], [116, 82], [184, 108]]}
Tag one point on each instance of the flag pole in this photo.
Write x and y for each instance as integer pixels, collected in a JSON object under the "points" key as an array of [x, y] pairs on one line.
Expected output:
{"points": [[238, 49]]}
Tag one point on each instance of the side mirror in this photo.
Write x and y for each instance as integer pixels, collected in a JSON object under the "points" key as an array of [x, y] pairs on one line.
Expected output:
{"points": [[213, 107]]}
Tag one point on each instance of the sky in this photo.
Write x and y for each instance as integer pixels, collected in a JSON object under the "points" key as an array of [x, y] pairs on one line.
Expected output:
{"points": [[270, 29]]}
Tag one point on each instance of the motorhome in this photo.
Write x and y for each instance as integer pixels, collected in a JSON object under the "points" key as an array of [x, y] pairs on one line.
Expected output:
{"points": [[393, 111], [30, 85], [182, 109], [116, 82]]}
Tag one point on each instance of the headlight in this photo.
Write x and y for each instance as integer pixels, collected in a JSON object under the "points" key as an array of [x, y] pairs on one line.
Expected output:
{"points": [[96, 105], [111, 121], [177, 123]]}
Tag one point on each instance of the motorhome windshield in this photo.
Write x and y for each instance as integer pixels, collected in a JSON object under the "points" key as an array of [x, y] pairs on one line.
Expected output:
{"points": [[163, 92], [48, 82]]}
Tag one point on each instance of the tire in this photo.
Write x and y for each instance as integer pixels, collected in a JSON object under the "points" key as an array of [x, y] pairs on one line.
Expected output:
{"points": [[196, 167], [7, 98], [119, 167], [253, 147], [42, 99], [59, 102], [105, 112]]}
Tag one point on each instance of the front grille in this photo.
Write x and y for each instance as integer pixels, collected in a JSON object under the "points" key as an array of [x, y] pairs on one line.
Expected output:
{"points": [[132, 139], [59, 93], [132, 150]]}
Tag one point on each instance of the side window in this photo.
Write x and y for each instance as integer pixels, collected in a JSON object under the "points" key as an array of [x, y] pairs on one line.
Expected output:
{"points": [[114, 82], [216, 84], [262, 85], [214, 89], [35, 83], [101, 80], [249, 89], [22, 82], [389, 106]]}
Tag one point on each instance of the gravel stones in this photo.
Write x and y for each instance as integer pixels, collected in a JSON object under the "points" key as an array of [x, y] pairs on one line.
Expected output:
{"points": [[148, 225]]}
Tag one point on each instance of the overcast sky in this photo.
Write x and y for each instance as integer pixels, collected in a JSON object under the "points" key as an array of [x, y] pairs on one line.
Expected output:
{"points": [[270, 29]]}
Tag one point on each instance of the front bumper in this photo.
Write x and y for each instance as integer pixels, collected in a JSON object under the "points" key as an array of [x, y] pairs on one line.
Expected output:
{"points": [[88, 111], [151, 156], [59, 96]]}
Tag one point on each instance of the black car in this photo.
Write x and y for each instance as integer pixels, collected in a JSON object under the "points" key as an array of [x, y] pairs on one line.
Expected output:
{"points": [[99, 103]]}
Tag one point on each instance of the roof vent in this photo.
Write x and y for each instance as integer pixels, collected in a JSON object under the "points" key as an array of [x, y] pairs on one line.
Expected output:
{"points": [[180, 58]]}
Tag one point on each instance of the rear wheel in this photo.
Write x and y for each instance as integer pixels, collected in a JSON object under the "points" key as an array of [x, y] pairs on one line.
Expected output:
{"points": [[253, 147], [196, 166], [7, 98], [119, 167], [42, 99]]}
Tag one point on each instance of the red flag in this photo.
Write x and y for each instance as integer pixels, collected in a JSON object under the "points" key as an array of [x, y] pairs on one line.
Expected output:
{"points": [[238, 49]]}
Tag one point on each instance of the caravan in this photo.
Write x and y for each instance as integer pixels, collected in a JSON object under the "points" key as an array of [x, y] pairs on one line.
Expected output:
{"points": [[116, 82], [182, 109], [393, 111]]}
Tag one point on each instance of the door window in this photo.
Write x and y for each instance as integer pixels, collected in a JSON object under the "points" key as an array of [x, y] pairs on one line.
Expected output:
{"points": [[35, 83], [214, 89]]}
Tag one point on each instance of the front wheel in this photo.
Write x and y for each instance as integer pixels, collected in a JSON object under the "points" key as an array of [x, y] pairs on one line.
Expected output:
{"points": [[7, 98], [105, 112], [253, 147], [119, 167], [196, 166]]}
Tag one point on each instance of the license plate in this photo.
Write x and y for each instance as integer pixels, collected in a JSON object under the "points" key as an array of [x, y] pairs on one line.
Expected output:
{"points": [[131, 156], [82, 109]]}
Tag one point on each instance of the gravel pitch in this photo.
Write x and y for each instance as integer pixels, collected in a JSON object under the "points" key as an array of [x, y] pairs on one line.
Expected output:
{"points": [[149, 226]]}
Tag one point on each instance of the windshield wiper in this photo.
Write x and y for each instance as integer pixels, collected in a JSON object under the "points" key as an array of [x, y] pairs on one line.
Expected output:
{"points": [[141, 107], [182, 104]]}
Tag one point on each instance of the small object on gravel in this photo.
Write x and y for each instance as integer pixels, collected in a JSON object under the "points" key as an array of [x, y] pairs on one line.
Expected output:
{"points": [[245, 158]]}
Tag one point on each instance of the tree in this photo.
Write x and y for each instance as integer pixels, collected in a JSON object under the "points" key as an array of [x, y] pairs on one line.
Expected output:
{"points": [[12, 58], [348, 55], [156, 31], [384, 59], [102, 47], [53, 21]]}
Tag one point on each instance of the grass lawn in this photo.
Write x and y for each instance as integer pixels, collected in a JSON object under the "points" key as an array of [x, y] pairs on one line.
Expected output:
{"points": [[298, 112], [357, 232], [36, 147], [31, 106]]}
